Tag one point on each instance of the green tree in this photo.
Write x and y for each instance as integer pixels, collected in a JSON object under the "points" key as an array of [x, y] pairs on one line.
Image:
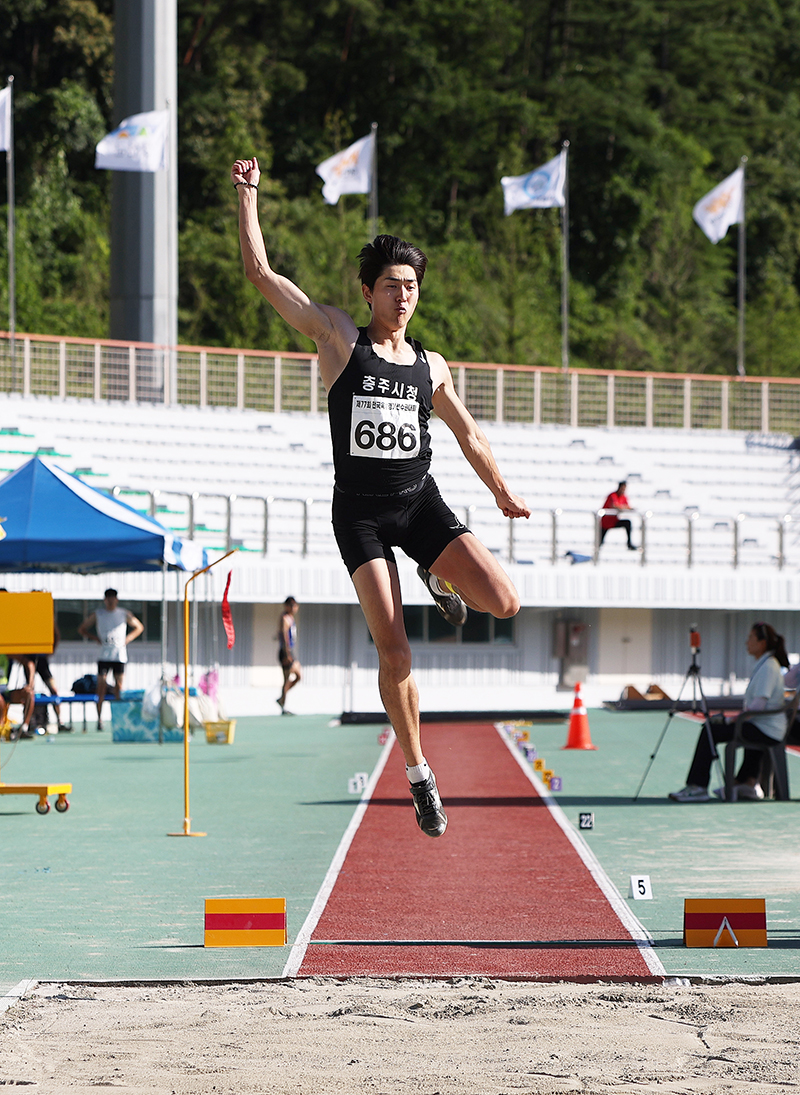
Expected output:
{"points": [[658, 98]]}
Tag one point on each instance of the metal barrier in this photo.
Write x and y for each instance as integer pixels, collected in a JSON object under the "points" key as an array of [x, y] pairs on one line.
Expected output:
{"points": [[266, 525], [203, 376]]}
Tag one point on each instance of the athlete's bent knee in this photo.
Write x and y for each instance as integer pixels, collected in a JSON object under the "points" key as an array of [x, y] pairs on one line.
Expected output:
{"points": [[396, 660], [508, 604]]}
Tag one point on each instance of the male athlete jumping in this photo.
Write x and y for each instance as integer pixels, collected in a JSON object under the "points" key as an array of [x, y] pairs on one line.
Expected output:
{"points": [[381, 388]]}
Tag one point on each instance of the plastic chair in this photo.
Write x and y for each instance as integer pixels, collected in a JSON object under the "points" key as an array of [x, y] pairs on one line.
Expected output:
{"points": [[774, 761]]}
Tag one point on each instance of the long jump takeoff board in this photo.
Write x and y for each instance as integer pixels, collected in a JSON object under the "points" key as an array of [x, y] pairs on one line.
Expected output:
{"points": [[508, 891]]}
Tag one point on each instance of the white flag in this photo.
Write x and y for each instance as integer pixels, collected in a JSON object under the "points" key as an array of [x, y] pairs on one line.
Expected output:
{"points": [[5, 119], [139, 143], [349, 171], [539, 189], [722, 206]]}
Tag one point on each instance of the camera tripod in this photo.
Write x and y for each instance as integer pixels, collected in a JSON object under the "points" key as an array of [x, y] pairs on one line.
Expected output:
{"points": [[699, 703]]}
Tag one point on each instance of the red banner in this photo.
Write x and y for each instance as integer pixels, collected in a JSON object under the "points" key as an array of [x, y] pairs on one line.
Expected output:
{"points": [[226, 614]]}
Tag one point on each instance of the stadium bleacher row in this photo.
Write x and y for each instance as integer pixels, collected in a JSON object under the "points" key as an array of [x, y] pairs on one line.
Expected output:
{"points": [[184, 463]]}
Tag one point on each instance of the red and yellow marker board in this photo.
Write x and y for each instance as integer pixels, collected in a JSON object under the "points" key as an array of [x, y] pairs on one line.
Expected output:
{"points": [[723, 922], [245, 922]]}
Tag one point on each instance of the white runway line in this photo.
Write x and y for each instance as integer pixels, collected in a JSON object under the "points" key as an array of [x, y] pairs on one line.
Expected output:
{"points": [[300, 945], [638, 932], [16, 994]]}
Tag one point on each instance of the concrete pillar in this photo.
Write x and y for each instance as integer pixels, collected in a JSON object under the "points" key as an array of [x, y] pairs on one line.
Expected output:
{"points": [[144, 213]]}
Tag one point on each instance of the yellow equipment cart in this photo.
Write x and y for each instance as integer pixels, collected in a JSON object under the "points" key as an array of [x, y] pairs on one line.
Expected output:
{"points": [[26, 627]]}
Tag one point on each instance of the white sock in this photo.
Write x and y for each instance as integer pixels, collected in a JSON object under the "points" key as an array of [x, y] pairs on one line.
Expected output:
{"points": [[418, 772]]}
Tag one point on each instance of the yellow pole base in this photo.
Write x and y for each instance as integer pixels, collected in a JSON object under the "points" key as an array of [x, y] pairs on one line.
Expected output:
{"points": [[187, 829]]}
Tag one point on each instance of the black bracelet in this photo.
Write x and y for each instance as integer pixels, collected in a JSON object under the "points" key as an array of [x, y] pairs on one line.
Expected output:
{"points": [[253, 186]]}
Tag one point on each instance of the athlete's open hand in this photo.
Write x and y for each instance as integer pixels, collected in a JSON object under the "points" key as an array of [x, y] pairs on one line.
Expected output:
{"points": [[513, 506], [246, 171]]}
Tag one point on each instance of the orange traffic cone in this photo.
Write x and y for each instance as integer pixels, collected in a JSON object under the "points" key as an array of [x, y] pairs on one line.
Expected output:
{"points": [[579, 736]]}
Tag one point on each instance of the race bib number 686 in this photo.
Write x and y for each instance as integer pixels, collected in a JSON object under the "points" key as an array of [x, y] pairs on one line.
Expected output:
{"points": [[384, 429]]}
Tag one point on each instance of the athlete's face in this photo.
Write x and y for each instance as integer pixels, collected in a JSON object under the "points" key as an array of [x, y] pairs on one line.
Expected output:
{"points": [[394, 296]]}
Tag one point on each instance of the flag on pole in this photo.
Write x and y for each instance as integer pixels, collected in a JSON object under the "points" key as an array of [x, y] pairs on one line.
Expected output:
{"points": [[349, 171], [539, 189], [139, 143], [722, 206], [5, 119]]}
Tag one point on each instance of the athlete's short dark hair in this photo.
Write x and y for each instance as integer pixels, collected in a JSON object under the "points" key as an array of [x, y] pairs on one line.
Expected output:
{"points": [[389, 251]]}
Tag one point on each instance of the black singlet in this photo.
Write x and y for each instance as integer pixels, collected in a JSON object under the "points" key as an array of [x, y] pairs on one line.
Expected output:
{"points": [[378, 413]]}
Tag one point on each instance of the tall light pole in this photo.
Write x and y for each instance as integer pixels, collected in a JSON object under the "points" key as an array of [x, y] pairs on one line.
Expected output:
{"points": [[144, 206]]}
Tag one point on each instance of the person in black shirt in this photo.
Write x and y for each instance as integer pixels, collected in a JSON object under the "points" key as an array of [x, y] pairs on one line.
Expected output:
{"points": [[382, 387]]}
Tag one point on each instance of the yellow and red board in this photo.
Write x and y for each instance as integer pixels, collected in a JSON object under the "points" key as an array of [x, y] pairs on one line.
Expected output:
{"points": [[725, 922], [245, 922]]}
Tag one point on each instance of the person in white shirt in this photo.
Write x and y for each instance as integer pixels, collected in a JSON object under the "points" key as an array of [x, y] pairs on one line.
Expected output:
{"points": [[764, 692], [108, 626]]}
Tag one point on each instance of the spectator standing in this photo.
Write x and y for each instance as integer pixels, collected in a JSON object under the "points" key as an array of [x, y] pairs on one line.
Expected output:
{"points": [[287, 651], [110, 624], [40, 663]]}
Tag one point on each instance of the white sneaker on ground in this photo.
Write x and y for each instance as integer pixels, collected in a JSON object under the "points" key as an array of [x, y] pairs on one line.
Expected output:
{"points": [[744, 790], [690, 793]]}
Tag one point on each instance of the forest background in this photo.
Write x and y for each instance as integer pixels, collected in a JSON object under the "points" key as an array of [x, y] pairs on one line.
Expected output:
{"points": [[659, 100]]}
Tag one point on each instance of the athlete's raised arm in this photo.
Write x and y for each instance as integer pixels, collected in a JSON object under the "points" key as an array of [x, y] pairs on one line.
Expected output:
{"points": [[473, 441], [330, 328]]}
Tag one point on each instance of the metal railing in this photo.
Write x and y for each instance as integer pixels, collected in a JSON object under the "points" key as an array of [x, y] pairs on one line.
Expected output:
{"points": [[223, 521], [268, 525], [203, 376], [729, 528]]}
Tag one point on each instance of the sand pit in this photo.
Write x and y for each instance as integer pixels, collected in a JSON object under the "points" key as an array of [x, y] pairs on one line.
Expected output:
{"points": [[469, 1035]]}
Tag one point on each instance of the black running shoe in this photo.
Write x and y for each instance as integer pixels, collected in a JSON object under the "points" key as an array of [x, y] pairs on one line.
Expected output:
{"points": [[449, 605], [431, 817]]}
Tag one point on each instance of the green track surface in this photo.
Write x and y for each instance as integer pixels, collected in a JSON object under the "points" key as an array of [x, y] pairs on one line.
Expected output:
{"points": [[102, 893], [714, 849]]}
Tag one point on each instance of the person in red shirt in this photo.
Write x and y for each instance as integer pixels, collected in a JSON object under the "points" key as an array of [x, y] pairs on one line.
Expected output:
{"points": [[618, 501]]}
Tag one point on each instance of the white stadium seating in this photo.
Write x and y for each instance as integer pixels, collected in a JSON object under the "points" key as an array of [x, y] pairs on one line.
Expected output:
{"points": [[723, 477], [716, 505]]}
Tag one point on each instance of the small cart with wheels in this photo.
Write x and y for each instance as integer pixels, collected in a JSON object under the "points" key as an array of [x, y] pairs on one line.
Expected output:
{"points": [[43, 790], [27, 624]]}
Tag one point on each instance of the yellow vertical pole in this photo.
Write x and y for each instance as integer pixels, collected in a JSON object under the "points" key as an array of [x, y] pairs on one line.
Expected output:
{"points": [[187, 821]]}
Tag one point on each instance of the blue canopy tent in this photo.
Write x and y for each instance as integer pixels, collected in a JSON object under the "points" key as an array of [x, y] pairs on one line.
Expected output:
{"points": [[52, 521]]}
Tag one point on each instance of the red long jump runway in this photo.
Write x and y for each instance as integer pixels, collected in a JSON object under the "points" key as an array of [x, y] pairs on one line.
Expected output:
{"points": [[504, 893]]}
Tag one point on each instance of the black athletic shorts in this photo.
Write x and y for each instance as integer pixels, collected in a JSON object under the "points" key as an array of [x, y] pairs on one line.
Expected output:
{"points": [[115, 667], [367, 526]]}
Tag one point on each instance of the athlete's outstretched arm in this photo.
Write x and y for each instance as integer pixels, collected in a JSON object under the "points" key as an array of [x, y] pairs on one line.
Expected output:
{"points": [[321, 323], [473, 441]]}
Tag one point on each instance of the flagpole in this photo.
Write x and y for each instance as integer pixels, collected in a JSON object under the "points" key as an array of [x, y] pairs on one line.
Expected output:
{"points": [[171, 392], [565, 264], [740, 369], [12, 295], [373, 190]]}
